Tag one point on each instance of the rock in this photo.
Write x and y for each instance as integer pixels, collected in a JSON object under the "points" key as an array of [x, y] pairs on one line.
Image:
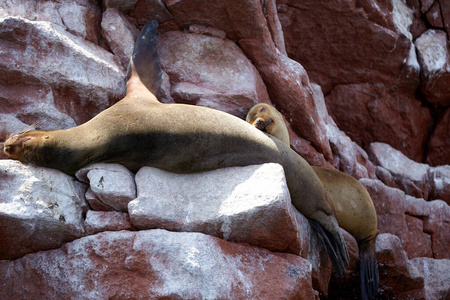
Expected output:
{"points": [[399, 277], [347, 155], [156, 264], [93, 82], [112, 184], [439, 142], [80, 17], [436, 276], [99, 221], [434, 57], [422, 226], [434, 16], [331, 49], [210, 72], [120, 35], [241, 204], [40, 209], [440, 183], [378, 116], [402, 172]]}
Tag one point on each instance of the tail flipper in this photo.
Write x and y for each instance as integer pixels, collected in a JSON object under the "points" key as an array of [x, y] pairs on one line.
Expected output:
{"points": [[145, 59], [336, 248], [368, 269]]}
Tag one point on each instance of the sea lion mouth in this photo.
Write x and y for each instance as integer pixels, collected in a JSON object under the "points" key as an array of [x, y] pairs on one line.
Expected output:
{"points": [[262, 125]]}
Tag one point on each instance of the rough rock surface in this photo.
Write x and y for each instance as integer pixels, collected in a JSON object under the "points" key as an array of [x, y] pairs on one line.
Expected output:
{"points": [[40, 209], [156, 264], [242, 204], [434, 56], [112, 186], [62, 62], [413, 220]]}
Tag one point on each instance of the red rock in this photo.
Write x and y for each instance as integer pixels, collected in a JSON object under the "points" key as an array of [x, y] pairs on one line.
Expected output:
{"points": [[326, 39], [99, 221], [40, 209], [211, 72], [399, 278], [112, 184], [404, 173], [434, 16], [436, 276], [156, 264], [414, 220], [440, 183], [347, 156], [379, 117], [93, 81], [434, 57], [439, 142], [120, 34]]}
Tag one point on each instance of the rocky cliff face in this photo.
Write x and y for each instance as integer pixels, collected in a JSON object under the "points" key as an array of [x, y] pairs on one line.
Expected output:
{"points": [[363, 86]]}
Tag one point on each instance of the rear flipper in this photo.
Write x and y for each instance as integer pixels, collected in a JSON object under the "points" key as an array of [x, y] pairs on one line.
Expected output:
{"points": [[145, 58], [336, 248], [368, 269]]}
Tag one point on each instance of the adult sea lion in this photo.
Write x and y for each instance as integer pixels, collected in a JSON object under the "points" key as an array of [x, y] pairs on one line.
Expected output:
{"points": [[354, 208], [140, 131]]}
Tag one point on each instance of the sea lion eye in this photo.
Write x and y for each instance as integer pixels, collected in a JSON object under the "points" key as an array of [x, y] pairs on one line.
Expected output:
{"points": [[262, 109]]}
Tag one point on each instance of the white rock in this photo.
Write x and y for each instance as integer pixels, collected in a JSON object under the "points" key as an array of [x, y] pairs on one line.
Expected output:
{"points": [[40, 209], [243, 204], [112, 184]]}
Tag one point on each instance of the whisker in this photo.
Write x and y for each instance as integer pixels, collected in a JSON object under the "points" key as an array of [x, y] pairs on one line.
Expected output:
{"points": [[26, 129]]}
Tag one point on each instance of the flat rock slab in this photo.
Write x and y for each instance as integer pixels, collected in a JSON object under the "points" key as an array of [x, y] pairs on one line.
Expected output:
{"points": [[241, 204], [40, 209], [156, 264]]}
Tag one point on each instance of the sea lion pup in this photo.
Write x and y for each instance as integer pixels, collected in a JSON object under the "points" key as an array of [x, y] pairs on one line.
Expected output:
{"points": [[354, 208], [139, 131]]}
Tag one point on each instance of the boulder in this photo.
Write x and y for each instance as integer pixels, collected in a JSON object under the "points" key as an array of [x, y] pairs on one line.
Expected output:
{"points": [[241, 204], [436, 276], [399, 278], [434, 57], [40, 209], [210, 71], [112, 186], [414, 220], [397, 170], [79, 77], [156, 264], [120, 35]]}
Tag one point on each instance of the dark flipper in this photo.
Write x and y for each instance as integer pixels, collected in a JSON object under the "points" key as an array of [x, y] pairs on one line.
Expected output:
{"points": [[368, 269], [145, 58], [338, 258]]}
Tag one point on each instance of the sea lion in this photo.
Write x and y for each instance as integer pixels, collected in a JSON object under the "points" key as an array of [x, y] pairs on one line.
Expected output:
{"points": [[354, 208], [140, 131], [268, 119]]}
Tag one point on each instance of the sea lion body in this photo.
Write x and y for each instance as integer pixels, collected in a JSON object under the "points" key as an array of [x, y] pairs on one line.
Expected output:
{"points": [[354, 209]]}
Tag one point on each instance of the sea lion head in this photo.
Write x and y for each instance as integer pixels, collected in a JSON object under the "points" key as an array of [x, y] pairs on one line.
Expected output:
{"points": [[269, 120], [23, 146]]}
